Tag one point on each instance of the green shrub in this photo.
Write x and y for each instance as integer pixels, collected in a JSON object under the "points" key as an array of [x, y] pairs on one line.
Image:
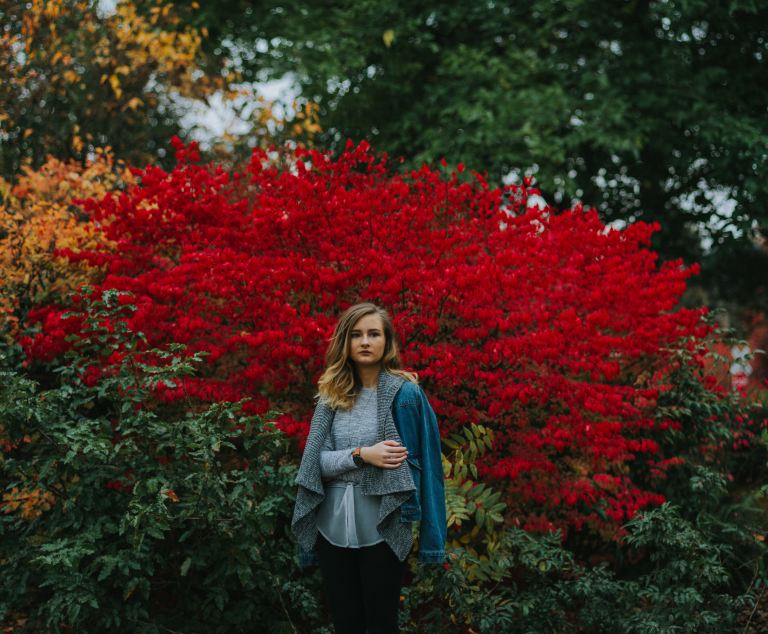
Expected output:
{"points": [[719, 486], [682, 585], [695, 564], [120, 515]]}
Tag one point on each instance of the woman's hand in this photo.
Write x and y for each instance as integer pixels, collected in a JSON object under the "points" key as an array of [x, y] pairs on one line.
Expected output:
{"points": [[387, 454]]}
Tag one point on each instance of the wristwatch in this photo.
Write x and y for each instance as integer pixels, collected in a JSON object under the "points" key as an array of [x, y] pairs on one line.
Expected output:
{"points": [[357, 458]]}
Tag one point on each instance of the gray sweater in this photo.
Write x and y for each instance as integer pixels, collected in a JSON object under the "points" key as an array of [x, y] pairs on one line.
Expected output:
{"points": [[347, 517], [352, 428]]}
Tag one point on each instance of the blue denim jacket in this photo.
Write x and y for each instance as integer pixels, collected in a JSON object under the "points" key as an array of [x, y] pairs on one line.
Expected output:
{"points": [[417, 426]]}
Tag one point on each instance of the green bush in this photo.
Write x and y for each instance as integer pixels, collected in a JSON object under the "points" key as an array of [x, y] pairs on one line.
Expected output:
{"points": [[120, 515], [719, 487], [682, 585], [695, 564]]}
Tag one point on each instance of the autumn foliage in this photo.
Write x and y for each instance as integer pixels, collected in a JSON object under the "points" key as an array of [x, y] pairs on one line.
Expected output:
{"points": [[546, 326], [77, 75], [36, 218]]}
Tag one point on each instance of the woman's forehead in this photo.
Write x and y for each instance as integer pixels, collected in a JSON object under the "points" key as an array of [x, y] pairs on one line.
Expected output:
{"points": [[369, 322]]}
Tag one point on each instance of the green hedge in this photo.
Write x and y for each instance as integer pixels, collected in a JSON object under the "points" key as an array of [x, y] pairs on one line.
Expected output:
{"points": [[124, 514], [161, 520]]}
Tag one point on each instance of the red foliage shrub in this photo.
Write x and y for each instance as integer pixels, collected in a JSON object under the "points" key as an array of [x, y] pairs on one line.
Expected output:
{"points": [[545, 325]]}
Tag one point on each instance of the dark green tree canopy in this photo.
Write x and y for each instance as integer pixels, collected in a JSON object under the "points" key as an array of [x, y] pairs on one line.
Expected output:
{"points": [[645, 109]]}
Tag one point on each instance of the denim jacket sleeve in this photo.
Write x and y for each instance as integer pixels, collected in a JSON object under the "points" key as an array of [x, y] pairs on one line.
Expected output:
{"points": [[417, 425]]}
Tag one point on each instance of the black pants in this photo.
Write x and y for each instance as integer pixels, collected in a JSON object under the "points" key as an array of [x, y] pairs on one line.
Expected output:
{"points": [[362, 586]]}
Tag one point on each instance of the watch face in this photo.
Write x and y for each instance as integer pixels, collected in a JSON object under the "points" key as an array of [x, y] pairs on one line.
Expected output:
{"points": [[358, 461]]}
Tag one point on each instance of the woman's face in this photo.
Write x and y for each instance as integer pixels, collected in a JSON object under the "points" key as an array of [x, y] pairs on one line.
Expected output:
{"points": [[366, 341]]}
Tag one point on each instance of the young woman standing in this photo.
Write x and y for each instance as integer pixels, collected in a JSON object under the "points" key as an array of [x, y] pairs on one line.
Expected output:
{"points": [[371, 467]]}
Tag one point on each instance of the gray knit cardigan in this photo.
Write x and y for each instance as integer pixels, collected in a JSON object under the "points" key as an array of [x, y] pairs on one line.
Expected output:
{"points": [[394, 485]]}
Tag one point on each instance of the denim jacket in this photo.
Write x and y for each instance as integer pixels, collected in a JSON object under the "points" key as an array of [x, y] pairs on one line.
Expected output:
{"points": [[416, 425]]}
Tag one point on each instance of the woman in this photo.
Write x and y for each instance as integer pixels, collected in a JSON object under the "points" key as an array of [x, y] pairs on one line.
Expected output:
{"points": [[371, 466]]}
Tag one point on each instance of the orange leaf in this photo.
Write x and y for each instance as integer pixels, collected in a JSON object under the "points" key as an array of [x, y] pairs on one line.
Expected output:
{"points": [[171, 495]]}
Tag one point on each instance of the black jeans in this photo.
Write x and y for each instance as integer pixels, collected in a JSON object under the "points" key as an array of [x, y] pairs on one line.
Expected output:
{"points": [[362, 586]]}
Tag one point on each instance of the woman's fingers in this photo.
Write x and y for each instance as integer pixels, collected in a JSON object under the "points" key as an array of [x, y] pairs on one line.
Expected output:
{"points": [[394, 461], [389, 454]]}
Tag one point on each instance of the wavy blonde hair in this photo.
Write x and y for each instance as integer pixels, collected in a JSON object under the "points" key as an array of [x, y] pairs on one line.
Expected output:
{"points": [[340, 384]]}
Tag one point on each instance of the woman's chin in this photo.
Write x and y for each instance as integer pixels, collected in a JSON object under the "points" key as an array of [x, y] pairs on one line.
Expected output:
{"points": [[367, 361]]}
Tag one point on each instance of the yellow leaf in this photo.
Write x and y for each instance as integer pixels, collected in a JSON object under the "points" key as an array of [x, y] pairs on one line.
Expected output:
{"points": [[28, 132], [134, 103], [388, 36], [114, 81]]}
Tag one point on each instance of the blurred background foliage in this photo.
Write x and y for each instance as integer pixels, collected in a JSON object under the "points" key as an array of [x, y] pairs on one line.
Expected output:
{"points": [[646, 110], [75, 78]]}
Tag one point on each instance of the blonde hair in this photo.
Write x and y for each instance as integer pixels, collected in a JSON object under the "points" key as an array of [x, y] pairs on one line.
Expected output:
{"points": [[339, 385]]}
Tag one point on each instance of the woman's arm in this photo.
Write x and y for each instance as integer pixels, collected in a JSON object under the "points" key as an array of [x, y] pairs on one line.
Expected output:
{"points": [[385, 455], [334, 463]]}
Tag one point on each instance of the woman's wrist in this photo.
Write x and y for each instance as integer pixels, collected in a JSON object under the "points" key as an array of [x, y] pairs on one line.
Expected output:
{"points": [[357, 457], [362, 454]]}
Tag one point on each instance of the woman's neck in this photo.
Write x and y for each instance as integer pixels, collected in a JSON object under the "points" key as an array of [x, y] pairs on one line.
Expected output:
{"points": [[369, 377]]}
